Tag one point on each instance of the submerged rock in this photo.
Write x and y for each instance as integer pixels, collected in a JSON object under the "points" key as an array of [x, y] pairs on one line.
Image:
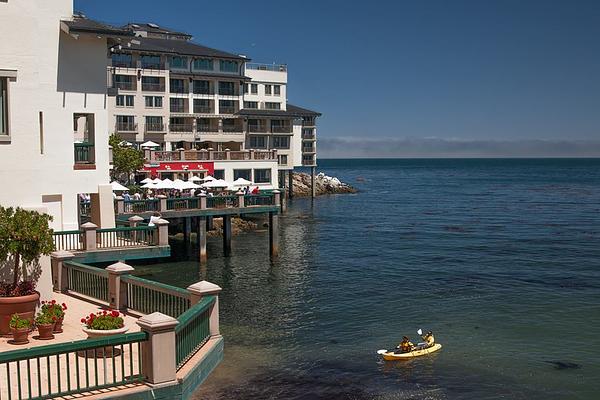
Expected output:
{"points": [[564, 365], [238, 225], [324, 184]]}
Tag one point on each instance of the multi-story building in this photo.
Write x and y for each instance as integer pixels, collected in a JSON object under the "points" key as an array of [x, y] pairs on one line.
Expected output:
{"points": [[209, 110], [53, 118]]}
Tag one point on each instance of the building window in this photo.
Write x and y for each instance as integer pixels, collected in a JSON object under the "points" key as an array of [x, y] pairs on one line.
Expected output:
{"points": [[4, 106], [151, 62], [283, 159], [272, 106], [153, 101], [281, 142], [125, 123], [253, 88], [262, 176], [179, 62], [202, 87], [177, 105], [242, 173], [277, 90], [125, 100], [227, 88], [228, 66], [124, 82], [267, 90], [176, 86], [152, 84], [122, 60], [258, 142], [202, 106], [154, 124], [227, 106], [219, 174], [203, 64], [251, 104]]}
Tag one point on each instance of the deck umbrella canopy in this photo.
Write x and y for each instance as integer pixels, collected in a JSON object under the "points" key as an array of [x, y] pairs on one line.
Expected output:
{"points": [[117, 187]]}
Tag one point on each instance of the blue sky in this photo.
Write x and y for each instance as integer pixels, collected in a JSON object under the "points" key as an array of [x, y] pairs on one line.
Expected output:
{"points": [[506, 72]]}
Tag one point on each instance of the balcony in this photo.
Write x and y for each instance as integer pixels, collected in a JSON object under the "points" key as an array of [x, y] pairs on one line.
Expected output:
{"points": [[84, 153], [203, 91], [126, 127], [178, 108], [178, 89], [203, 110], [153, 87], [308, 162], [281, 129], [126, 85], [231, 129], [257, 128], [123, 64], [310, 123], [152, 65], [308, 149], [267, 67], [211, 155], [228, 92], [309, 135], [156, 127], [227, 110], [181, 128]]}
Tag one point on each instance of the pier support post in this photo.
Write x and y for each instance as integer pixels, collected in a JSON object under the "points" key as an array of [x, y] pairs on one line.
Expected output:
{"points": [[240, 198], [60, 277], [117, 292], [274, 234], [313, 189], [89, 236], [158, 353], [163, 232], [227, 235], [201, 239], [120, 205], [291, 184], [133, 223], [187, 229], [205, 288], [209, 223], [162, 202]]}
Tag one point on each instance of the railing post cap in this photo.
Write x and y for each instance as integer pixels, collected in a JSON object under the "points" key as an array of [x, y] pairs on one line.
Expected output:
{"points": [[239, 193], [89, 226], [202, 195], [156, 322], [119, 268], [161, 222], [119, 198], [276, 191], [62, 255], [161, 196], [135, 218], [204, 288]]}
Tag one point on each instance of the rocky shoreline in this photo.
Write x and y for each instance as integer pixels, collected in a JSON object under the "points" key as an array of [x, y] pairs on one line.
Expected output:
{"points": [[324, 184]]}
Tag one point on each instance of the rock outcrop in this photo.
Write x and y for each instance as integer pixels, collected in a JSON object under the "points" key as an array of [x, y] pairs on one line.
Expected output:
{"points": [[238, 225], [323, 185]]}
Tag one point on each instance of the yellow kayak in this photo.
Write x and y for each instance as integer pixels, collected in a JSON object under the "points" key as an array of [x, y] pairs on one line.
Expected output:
{"points": [[391, 356]]}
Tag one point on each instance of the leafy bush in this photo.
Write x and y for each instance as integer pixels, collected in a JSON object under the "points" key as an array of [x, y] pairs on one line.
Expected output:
{"points": [[16, 322], [103, 320], [54, 309], [44, 319]]}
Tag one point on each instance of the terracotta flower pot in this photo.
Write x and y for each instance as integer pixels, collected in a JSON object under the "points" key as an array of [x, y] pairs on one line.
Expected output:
{"points": [[96, 334], [20, 336], [58, 326], [22, 305], [45, 331]]}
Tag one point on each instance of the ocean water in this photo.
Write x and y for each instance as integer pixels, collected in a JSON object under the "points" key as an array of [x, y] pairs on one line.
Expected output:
{"points": [[499, 258]]}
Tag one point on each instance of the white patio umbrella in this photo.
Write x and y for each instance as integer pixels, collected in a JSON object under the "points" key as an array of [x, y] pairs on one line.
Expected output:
{"points": [[117, 187], [217, 183], [165, 184], [149, 185], [208, 178], [150, 143], [156, 181], [178, 184], [195, 179], [147, 180], [190, 185], [241, 182], [125, 143]]}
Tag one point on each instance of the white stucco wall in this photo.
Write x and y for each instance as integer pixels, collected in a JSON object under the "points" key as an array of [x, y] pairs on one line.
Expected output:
{"points": [[229, 166], [58, 76]]}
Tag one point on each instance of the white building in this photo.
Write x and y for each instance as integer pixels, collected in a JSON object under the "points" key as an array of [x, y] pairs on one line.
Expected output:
{"points": [[53, 114]]}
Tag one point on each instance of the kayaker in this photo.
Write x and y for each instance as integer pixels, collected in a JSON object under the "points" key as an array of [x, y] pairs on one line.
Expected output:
{"points": [[406, 345], [428, 338]]}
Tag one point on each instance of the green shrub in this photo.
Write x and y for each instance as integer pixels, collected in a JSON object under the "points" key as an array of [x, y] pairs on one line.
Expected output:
{"points": [[16, 322]]}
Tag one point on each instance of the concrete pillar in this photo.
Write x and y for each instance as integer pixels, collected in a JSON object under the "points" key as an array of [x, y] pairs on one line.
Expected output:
{"points": [[313, 189], [227, 235], [162, 202], [209, 223], [163, 232], [187, 229], [201, 239], [60, 277], [120, 205], [204, 288], [158, 352], [202, 201], [103, 213], [240, 197], [274, 234], [291, 184], [276, 197], [89, 236], [133, 223], [117, 292]]}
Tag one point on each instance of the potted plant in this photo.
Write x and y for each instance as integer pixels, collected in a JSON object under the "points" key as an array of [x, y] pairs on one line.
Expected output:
{"points": [[104, 323], [24, 237], [45, 325], [20, 329], [56, 310]]}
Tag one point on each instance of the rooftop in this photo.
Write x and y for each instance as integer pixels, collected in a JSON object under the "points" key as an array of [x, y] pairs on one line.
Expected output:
{"points": [[182, 47], [154, 28], [82, 24], [292, 111]]}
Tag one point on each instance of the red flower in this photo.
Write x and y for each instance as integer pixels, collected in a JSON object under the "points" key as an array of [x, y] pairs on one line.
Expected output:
{"points": [[104, 312], [43, 301], [115, 314], [83, 320], [53, 301]]}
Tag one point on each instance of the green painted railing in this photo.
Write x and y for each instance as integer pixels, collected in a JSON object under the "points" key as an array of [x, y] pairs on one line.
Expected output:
{"points": [[258, 200], [140, 206], [146, 297], [126, 237], [193, 330], [48, 372], [68, 240], [88, 281], [222, 202], [183, 203], [84, 153]]}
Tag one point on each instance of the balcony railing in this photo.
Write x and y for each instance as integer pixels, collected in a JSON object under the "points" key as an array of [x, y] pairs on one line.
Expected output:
{"points": [[227, 110], [123, 64], [203, 110], [125, 85], [308, 123], [231, 129], [204, 91], [208, 155], [155, 127], [152, 65], [267, 67], [228, 92], [153, 87], [308, 149], [206, 128], [308, 161], [126, 127], [281, 129], [177, 108], [257, 128], [181, 128], [84, 153], [308, 136], [166, 155], [178, 89]]}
